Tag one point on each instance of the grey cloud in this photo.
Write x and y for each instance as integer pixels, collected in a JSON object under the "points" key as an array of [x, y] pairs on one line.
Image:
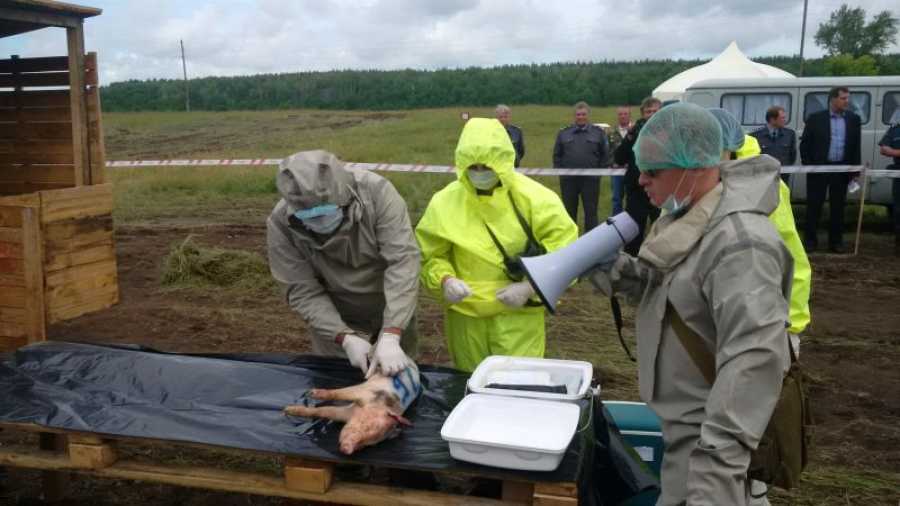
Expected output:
{"points": [[229, 37], [412, 9], [690, 8]]}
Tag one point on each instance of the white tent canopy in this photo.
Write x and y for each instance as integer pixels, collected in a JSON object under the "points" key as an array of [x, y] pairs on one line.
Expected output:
{"points": [[731, 64]]}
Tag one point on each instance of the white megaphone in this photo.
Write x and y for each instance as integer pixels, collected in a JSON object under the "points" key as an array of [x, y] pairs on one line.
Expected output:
{"points": [[552, 273]]}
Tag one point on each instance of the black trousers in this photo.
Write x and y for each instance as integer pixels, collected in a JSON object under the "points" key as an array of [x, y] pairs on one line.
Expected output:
{"points": [[817, 185], [641, 210], [586, 187]]}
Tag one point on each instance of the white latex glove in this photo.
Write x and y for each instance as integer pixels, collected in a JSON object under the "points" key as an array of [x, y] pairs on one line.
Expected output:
{"points": [[515, 294], [388, 356], [357, 350], [455, 290]]}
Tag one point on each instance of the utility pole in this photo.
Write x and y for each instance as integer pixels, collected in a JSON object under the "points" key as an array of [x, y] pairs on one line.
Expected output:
{"points": [[803, 35], [187, 88]]}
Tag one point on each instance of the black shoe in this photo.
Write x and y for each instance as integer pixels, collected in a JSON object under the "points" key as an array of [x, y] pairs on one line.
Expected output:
{"points": [[838, 249]]}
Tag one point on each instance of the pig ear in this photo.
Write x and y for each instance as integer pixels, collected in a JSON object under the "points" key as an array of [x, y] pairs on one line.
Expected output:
{"points": [[400, 419]]}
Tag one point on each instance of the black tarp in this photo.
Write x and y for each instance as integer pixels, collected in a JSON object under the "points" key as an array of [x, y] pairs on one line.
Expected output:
{"points": [[236, 400]]}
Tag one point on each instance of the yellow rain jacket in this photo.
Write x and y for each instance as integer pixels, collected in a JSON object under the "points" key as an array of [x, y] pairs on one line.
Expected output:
{"points": [[454, 241], [783, 219]]}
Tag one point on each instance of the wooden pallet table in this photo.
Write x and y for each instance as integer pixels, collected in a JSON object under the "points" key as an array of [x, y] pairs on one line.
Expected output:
{"points": [[62, 452]]}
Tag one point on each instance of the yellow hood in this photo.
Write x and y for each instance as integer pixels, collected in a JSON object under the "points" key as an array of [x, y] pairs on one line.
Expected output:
{"points": [[485, 141]]}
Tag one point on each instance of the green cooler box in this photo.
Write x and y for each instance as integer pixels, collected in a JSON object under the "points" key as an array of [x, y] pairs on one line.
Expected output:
{"points": [[640, 428]]}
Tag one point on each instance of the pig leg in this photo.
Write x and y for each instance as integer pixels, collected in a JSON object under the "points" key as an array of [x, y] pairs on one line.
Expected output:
{"points": [[339, 413]]}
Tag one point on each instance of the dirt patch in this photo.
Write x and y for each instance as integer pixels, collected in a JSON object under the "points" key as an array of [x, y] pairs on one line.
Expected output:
{"points": [[851, 350]]}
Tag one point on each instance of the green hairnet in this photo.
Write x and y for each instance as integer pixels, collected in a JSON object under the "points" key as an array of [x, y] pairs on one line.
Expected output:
{"points": [[683, 136], [732, 133]]}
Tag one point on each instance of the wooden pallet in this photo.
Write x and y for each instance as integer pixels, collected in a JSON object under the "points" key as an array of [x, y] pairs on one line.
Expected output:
{"points": [[61, 452]]}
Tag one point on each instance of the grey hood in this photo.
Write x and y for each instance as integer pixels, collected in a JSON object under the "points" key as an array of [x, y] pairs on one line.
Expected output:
{"points": [[749, 185], [311, 178]]}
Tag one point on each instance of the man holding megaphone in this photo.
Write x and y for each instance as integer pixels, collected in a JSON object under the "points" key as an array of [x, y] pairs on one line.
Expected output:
{"points": [[715, 265], [472, 235]]}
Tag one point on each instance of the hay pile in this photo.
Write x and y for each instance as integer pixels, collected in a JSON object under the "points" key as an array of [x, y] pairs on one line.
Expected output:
{"points": [[191, 265]]}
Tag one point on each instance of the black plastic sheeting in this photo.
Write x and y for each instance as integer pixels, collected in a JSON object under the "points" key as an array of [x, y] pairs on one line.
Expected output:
{"points": [[235, 400]]}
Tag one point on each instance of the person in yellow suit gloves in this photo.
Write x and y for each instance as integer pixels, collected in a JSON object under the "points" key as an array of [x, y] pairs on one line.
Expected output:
{"points": [[471, 234], [741, 145]]}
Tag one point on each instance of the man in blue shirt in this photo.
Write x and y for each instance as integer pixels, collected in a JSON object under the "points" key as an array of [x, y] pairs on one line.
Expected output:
{"points": [[830, 137]]}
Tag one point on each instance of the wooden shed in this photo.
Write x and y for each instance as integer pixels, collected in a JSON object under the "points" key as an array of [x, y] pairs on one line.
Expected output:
{"points": [[57, 255]]}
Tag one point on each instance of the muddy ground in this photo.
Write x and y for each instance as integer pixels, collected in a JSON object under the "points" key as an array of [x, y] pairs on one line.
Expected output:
{"points": [[852, 351]]}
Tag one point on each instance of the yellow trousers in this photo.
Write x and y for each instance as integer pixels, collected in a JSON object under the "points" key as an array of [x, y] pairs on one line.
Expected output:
{"points": [[471, 339]]}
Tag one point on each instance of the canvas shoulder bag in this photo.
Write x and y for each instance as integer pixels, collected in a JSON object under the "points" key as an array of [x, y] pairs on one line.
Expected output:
{"points": [[783, 451]]}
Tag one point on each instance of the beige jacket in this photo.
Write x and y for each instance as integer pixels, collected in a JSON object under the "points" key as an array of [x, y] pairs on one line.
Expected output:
{"points": [[726, 271], [365, 276]]}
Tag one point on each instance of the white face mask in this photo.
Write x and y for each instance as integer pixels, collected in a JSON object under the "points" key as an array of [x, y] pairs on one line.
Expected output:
{"points": [[325, 223], [483, 179], [677, 207]]}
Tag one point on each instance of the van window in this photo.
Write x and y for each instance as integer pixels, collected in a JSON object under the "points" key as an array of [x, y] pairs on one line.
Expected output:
{"points": [[860, 103], [890, 111], [750, 108]]}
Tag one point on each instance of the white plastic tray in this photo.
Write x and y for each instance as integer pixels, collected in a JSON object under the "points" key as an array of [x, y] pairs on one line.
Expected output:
{"points": [[511, 432], [575, 375]]}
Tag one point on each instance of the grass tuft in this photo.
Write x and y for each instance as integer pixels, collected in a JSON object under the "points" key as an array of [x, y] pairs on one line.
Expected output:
{"points": [[191, 265]]}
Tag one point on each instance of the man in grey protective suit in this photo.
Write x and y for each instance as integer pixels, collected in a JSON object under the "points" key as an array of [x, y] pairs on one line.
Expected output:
{"points": [[715, 261], [342, 247]]}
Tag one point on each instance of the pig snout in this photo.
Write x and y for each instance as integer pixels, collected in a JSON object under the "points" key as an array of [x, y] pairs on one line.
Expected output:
{"points": [[369, 425]]}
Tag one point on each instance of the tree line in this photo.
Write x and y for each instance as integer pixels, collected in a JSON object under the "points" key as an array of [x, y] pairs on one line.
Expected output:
{"points": [[599, 83]]}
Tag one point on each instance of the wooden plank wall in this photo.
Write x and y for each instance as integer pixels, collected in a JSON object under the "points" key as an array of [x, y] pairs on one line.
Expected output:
{"points": [[79, 253], [36, 150], [96, 144], [13, 317]]}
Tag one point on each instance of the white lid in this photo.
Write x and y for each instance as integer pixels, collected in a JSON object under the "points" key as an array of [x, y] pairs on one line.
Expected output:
{"points": [[574, 375], [512, 422]]}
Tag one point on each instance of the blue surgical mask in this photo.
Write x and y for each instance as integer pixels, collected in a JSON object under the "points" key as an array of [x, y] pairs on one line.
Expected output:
{"points": [[323, 219], [677, 207], [483, 179]]}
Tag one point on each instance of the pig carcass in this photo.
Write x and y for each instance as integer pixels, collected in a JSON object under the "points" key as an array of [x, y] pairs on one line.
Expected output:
{"points": [[375, 411]]}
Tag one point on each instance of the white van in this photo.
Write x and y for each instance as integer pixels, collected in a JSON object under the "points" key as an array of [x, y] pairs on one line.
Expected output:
{"points": [[874, 99]]}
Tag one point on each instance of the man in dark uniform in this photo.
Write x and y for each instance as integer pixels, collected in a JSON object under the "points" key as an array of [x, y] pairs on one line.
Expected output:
{"points": [[581, 145], [637, 205], [776, 140], [890, 146], [830, 137], [515, 133]]}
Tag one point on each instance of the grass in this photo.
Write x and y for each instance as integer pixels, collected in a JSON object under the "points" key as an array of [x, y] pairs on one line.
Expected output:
{"points": [[837, 485], [422, 136], [190, 265]]}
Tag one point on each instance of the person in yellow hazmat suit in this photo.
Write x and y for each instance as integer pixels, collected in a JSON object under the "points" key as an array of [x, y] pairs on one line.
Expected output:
{"points": [[471, 234]]}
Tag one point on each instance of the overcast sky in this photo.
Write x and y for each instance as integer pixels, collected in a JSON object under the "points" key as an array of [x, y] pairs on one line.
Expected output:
{"points": [[139, 39]]}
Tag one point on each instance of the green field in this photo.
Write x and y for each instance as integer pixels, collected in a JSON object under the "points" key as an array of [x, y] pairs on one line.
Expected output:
{"points": [[228, 195], [422, 136]]}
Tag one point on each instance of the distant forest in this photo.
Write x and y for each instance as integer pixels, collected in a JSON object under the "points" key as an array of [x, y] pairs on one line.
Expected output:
{"points": [[600, 84]]}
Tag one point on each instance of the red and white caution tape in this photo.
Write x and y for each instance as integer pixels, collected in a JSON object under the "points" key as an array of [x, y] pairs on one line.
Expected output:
{"points": [[193, 163], [446, 169], [381, 167]]}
